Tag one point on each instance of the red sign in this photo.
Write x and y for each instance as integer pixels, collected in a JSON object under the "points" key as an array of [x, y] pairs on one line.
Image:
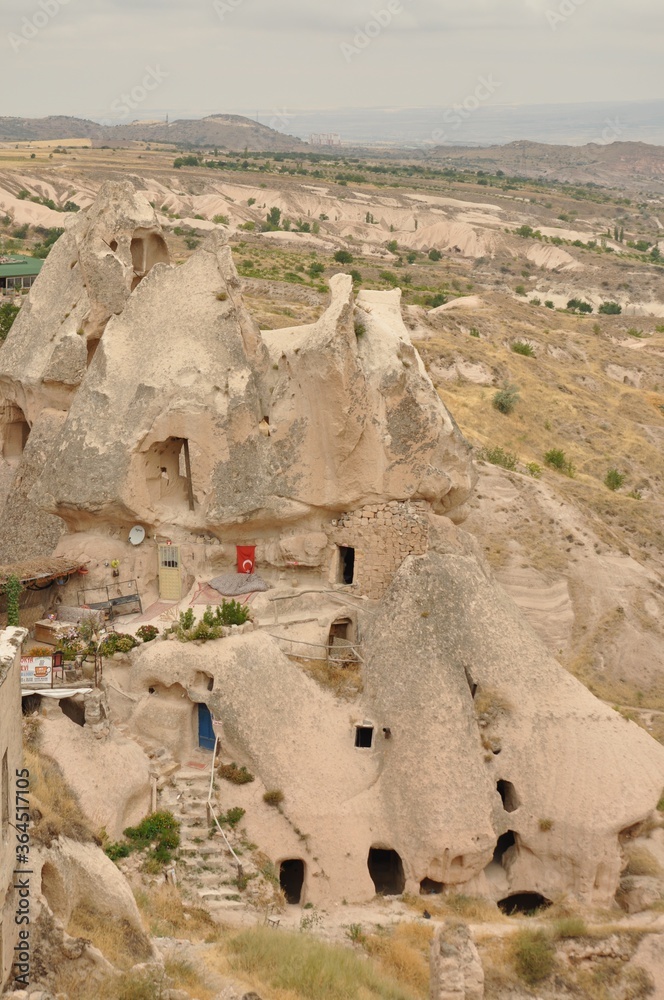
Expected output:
{"points": [[246, 558]]}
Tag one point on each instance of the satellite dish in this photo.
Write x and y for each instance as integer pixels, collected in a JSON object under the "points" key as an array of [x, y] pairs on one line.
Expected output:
{"points": [[137, 534]]}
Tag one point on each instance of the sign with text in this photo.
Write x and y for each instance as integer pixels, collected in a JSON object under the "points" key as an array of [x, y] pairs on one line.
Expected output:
{"points": [[36, 669]]}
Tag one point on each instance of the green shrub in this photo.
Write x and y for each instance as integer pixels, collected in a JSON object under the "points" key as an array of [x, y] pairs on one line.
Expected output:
{"points": [[496, 456], [360, 328], [474, 332], [232, 817], [13, 590], [221, 220], [614, 479], [8, 313], [610, 309], [236, 775], [117, 850], [274, 797], [506, 398], [343, 257], [557, 459], [520, 290], [549, 304], [533, 956], [117, 642], [435, 255], [578, 305], [147, 632], [521, 347], [389, 276], [534, 470]]}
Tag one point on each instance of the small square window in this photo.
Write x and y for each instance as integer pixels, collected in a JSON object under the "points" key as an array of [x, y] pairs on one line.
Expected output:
{"points": [[364, 737]]}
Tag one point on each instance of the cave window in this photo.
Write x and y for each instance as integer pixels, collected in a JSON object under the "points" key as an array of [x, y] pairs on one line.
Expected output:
{"points": [[210, 684], [471, 683], [529, 903], [364, 737], [291, 880], [429, 887], [16, 434], [346, 564], [147, 249], [168, 473], [507, 792], [113, 245], [386, 870], [505, 841]]}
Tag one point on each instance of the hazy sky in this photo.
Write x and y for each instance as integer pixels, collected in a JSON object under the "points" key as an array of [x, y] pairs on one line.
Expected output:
{"points": [[279, 55]]}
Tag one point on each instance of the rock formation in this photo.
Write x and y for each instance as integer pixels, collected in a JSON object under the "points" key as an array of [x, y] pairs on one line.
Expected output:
{"points": [[467, 759]]}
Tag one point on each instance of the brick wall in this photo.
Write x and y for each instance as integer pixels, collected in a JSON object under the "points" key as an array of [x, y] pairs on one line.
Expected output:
{"points": [[383, 535]]}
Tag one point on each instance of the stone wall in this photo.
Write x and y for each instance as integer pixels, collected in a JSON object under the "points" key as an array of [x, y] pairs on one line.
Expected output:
{"points": [[383, 535], [11, 755]]}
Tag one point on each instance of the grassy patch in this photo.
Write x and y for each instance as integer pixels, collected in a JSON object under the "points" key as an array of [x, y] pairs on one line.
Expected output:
{"points": [[311, 969], [55, 809], [117, 940], [345, 682], [533, 956], [165, 914]]}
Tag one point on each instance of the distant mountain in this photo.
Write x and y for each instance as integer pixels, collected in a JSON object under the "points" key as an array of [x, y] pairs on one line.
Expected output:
{"points": [[229, 132], [614, 164]]}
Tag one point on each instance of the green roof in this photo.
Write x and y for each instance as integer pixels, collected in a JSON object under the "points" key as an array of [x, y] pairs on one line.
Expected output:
{"points": [[15, 266]]}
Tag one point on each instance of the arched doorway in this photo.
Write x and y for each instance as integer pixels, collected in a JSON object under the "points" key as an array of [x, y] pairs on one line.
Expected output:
{"points": [[386, 870], [291, 879]]}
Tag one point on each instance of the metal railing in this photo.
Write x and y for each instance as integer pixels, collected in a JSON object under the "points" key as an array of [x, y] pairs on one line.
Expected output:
{"points": [[340, 598], [352, 648]]}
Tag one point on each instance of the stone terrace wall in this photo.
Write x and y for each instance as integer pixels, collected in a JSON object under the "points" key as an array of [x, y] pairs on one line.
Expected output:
{"points": [[383, 535]]}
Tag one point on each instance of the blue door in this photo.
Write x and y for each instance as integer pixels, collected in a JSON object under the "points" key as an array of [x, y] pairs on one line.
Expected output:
{"points": [[205, 730]]}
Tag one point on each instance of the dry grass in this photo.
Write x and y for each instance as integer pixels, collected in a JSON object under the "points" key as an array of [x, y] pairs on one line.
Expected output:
{"points": [[55, 809], [640, 861], [345, 682], [116, 939], [404, 954], [490, 705], [469, 908], [187, 977], [165, 914]]}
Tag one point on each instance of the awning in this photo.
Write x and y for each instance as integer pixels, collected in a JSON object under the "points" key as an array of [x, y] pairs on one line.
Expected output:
{"points": [[37, 573]]}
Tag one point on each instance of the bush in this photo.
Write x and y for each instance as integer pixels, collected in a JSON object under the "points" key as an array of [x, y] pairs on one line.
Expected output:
{"points": [[614, 479], [569, 927], [343, 257], [147, 632], [520, 290], [496, 456], [557, 459], [521, 347], [549, 304], [232, 817], [389, 276], [13, 590], [8, 313], [578, 305], [117, 642], [610, 309], [221, 220], [117, 850], [274, 797], [236, 775], [534, 470], [474, 332], [533, 956], [506, 398], [435, 255]]}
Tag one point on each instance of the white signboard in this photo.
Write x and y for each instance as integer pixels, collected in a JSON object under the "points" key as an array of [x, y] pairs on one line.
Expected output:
{"points": [[36, 669]]}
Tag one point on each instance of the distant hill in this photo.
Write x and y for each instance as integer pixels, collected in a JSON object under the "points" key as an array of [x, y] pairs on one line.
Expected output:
{"points": [[614, 164], [229, 132]]}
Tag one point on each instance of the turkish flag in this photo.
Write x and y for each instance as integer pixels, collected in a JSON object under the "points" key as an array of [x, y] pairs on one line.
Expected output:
{"points": [[246, 558]]}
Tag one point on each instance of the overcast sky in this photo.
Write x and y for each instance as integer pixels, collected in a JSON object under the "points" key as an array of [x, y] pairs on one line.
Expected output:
{"points": [[201, 56]]}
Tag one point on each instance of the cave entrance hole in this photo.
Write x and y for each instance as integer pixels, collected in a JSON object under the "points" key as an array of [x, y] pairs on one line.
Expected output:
{"points": [[346, 565], [291, 880], [386, 870], [507, 792], [147, 249], [528, 903], [505, 842], [73, 710], [16, 432], [429, 887]]}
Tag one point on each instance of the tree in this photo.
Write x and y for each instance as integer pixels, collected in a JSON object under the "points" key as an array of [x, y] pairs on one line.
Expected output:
{"points": [[506, 398], [435, 255], [343, 257], [8, 313], [610, 309], [274, 218]]}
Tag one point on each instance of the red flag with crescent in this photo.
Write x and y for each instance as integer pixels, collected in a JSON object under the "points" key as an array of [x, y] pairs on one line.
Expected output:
{"points": [[246, 558]]}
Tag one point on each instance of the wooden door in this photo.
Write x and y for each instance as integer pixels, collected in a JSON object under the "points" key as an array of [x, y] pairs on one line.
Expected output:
{"points": [[170, 578]]}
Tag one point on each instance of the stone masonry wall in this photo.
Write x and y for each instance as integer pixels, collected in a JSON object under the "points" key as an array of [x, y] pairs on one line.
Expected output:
{"points": [[383, 535]]}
